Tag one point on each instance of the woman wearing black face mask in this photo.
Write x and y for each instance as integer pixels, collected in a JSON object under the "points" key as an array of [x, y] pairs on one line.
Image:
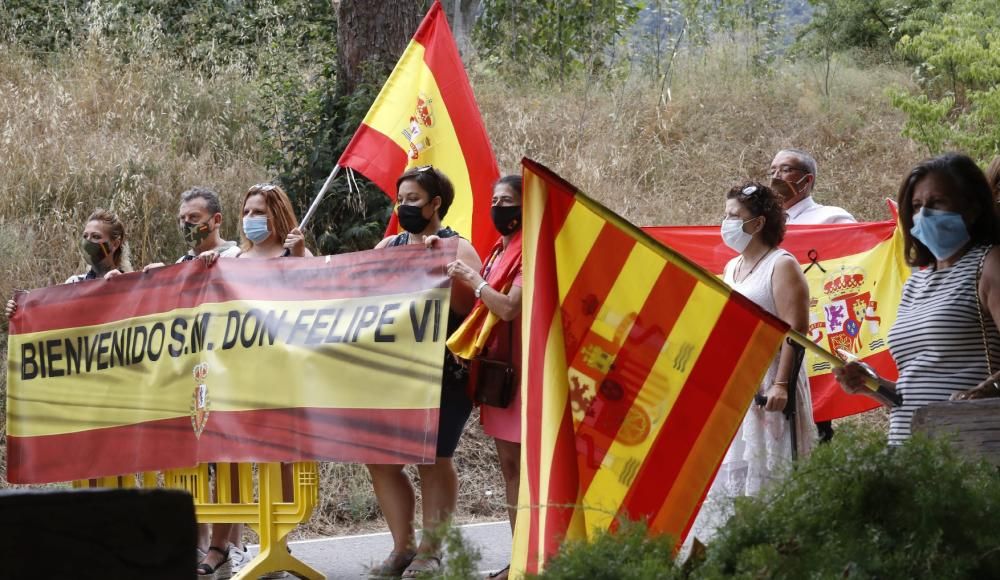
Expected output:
{"points": [[103, 249], [493, 331], [424, 195]]}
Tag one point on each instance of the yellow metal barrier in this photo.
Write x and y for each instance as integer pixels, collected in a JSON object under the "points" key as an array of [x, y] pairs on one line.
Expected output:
{"points": [[271, 517]]}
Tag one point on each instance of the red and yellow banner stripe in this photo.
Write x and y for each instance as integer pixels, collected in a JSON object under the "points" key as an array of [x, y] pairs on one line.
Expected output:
{"points": [[336, 358], [426, 114], [855, 274], [639, 368]]}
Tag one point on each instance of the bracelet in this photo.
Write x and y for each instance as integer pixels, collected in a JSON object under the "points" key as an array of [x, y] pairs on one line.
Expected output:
{"points": [[479, 289], [996, 385], [782, 383]]}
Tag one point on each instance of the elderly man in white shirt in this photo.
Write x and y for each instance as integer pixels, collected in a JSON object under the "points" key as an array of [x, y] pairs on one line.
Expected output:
{"points": [[793, 175]]}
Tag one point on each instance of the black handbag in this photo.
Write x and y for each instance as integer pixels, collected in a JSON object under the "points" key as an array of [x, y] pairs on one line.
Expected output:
{"points": [[494, 380]]}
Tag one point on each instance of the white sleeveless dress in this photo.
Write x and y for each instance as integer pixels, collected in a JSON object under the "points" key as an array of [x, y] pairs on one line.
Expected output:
{"points": [[761, 451]]}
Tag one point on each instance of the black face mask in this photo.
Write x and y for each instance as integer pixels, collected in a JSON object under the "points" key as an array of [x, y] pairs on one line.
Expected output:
{"points": [[412, 218], [506, 218], [194, 234], [95, 252]]}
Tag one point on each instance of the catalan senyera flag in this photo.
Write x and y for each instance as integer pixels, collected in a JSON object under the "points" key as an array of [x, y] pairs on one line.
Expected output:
{"points": [[336, 358], [426, 114], [639, 368], [855, 274]]}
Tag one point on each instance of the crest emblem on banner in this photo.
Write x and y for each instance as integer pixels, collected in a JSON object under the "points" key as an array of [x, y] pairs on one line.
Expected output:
{"points": [[421, 120], [199, 400], [843, 312]]}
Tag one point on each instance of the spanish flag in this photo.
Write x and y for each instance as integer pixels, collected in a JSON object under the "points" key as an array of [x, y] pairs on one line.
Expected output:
{"points": [[855, 273], [639, 368], [426, 114]]}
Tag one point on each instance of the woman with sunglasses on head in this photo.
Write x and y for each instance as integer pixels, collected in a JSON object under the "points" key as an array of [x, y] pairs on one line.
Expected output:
{"points": [[268, 228], [761, 452], [423, 197], [103, 249]]}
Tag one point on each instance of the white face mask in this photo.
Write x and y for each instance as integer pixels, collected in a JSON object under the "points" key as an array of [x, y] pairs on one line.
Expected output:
{"points": [[733, 234]]}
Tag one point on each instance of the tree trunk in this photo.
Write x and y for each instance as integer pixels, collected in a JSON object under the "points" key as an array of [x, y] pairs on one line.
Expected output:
{"points": [[371, 36]]}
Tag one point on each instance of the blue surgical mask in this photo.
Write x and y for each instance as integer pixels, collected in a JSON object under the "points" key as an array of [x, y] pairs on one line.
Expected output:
{"points": [[255, 228], [943, 232]]}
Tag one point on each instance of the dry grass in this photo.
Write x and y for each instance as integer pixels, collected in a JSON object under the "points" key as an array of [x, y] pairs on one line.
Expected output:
{"points": [[85, 130]]}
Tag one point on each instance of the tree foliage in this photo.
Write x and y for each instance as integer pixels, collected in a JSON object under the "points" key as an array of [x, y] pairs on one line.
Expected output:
{"points": [[550, 39]]}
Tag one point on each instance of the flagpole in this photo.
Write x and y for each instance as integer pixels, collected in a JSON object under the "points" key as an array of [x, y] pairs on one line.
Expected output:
{"points": [[315, 204], [319, 197]]}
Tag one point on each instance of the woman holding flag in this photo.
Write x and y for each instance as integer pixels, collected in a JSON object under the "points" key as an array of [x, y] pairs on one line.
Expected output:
{"points": [[423, 197], [762, 450], [493, 331], [945, 341]]}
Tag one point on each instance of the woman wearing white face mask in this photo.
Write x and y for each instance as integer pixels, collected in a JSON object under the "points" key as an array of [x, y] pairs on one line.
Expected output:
{"points": [[945, 339], [761, 451]]}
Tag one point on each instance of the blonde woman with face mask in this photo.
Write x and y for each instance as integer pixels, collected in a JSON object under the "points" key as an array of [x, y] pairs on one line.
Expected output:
{"points": [[102, 246]]}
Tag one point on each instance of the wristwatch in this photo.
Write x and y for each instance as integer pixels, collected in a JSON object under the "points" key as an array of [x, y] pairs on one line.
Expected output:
{"points": [[479, 289]]}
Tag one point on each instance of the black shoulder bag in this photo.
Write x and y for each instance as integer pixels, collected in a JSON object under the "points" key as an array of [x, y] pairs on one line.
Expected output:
{"points": [[495, 380]]}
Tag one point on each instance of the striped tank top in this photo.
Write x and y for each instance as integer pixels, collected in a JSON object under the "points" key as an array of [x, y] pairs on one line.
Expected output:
{"points": [[937, 340]]}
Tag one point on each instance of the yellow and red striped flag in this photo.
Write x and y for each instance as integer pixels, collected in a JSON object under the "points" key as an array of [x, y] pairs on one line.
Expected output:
{"points": [[426, 114], [639, 367]]}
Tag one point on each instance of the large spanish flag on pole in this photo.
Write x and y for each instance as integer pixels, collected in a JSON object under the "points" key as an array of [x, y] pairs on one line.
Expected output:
{"points": [[639, 368], [426, 114], [855, 274]]}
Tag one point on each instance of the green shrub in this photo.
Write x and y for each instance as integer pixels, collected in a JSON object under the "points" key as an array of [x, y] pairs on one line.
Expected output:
{"points": [[628, 554], [857, 509]]}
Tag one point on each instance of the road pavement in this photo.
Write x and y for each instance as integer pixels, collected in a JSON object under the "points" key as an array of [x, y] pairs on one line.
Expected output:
{"points": [[349, 557]]}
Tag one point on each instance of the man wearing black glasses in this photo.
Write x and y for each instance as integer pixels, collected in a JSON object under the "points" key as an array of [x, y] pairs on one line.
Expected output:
{"points": [[793, 174]]}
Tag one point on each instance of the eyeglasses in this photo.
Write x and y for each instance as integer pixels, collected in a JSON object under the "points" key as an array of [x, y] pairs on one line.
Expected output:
{"points": [[785, 170]]}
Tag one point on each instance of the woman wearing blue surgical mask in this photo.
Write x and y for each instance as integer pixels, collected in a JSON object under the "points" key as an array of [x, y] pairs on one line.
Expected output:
{"points": [[761, 452], [944, 341], [269, 226]]}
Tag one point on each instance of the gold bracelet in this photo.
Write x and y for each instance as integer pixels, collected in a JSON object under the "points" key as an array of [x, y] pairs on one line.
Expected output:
{"points": [[782, 383]]}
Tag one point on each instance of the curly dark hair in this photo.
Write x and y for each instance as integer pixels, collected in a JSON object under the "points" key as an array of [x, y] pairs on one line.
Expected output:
{"points": [[760, 200], [968, 188], [434, 182]]}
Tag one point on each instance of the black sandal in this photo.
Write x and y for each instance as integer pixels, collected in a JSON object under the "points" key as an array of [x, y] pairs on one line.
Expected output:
{"points": [[222, 571], [501, 572]]}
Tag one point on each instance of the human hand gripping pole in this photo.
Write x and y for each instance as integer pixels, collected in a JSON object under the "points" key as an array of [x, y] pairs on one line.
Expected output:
{"points": [[315, 204]]}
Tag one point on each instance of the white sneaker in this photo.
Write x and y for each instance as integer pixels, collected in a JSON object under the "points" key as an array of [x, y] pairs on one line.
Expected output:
{"points": [[238, 557]]}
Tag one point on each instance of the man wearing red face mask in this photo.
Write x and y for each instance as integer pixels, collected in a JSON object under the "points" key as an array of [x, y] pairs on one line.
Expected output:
{"points": [[793, 175]]}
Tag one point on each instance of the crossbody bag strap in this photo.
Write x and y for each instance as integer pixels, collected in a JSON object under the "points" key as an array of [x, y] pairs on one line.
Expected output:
{"points": [[979, 306]]}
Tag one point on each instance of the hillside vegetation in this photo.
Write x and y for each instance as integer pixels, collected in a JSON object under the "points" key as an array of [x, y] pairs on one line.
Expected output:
{"points": [[100, 122]]}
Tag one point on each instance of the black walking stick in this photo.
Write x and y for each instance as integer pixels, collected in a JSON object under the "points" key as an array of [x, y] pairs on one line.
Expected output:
{"points": [[790, 405]]}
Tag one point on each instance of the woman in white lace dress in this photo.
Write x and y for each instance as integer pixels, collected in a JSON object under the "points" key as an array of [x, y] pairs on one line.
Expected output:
{"points": [[761, 451]]}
